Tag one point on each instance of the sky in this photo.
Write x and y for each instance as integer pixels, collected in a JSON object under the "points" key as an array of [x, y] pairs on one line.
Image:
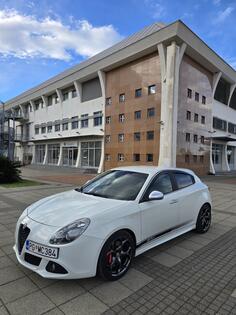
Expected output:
{"points": [[39, 39]]}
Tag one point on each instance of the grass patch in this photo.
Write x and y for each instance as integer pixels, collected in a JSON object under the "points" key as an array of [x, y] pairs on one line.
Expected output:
{"points": [[21, 183]]}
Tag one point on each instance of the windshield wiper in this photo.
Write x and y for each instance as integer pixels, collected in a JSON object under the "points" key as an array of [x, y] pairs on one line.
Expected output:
{"points": [[79, 189], [95, 194]]}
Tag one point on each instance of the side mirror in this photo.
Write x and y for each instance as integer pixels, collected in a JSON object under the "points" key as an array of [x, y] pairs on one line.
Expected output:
{"points": [[156, 195]]}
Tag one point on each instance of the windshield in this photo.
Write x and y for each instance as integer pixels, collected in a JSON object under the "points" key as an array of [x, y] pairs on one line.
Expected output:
{"points": [[117, 184]]}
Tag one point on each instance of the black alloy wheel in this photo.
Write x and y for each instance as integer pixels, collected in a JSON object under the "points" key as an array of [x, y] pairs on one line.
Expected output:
{"points": [[116, 256], [204, 219]]}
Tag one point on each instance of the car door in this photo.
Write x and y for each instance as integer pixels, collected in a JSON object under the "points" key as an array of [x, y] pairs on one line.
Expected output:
{"points": [[159, 216], [187, 196]]}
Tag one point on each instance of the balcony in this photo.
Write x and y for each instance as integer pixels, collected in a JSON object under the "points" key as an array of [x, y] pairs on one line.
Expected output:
{"points": [[21, 117], [21, 138]]}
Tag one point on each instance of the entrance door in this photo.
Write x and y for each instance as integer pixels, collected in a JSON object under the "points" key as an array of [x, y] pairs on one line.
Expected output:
{"points": [[217, 152], [230, 157], [70, 156]]}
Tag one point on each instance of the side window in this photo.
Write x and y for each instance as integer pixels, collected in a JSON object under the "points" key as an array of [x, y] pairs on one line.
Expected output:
{"points": [[162, 183], [183, 180]]}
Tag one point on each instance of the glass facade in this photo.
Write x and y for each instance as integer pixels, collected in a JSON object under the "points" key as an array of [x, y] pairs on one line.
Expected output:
{"points": [[39, 153], [53, 153], [90, 153], [217, 152], [69, 156]]}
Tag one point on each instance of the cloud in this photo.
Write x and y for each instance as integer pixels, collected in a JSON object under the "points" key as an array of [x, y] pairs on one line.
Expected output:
{"points": [[157, 9], [25, 36], [216, 2], [222, 15]]}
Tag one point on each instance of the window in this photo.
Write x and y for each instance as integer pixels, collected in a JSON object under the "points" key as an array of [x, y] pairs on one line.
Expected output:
{"points": [[137, 114], [108, 119], [151, 112], [65, 126], [196, 96], [161, 183], [201, 159], [183, 180], [121, 137], [84, 120], [74, 122], [39, 153], [152, 89], [219, 124], [195, 138], [57, 127], [189, 93], [53, 153], [187, 158], [202, 139], [149, 157], [121, 118], [108, 101], [65, 96], [120, 157], [97, 120], [187, 137], [231, 128], [203, 120], [150, 135], [137, 136], [90, 153], [107, 157], [136, 157], [203, 99], [108, 138], [50, 100], [121, 98], [36, 130], [195, 158], [74, 93], [36, 105], [43, 130], [188, 115], [49, 129], [138, 92], [195, 117]]}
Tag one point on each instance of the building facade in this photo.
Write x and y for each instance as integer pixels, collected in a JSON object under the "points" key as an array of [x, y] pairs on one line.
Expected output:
{"points": [[159, 97]]}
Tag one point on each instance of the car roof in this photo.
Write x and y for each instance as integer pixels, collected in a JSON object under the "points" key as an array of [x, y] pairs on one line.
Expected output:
{"points": [[152, 170]]}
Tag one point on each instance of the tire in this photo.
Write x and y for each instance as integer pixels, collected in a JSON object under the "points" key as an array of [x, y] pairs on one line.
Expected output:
{"points": [[204, 219], [116, 256]]}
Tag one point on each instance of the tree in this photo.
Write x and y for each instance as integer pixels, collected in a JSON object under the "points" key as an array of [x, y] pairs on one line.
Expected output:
{"points": [[9, 171]]}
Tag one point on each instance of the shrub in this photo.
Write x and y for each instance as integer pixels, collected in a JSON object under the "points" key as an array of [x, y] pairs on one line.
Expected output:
{"points": [[9, 171]]}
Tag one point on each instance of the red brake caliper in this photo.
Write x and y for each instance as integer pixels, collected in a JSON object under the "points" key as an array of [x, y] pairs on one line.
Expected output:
{"points": [[109, 258]]}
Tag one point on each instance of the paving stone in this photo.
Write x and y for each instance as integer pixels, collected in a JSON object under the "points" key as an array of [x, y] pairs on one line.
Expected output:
{"points": [[187, 244], [16, 289], [179, 252], [135, 279], [85, 304], [111, 292], [3, 311], [9, 274], [166, 259], [5, 262], [62, 291], [234, 293], [40, 281], [55, 311]]}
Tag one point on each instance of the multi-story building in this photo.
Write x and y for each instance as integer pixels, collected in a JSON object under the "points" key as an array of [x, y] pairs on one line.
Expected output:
{"points": [[159, 97]]}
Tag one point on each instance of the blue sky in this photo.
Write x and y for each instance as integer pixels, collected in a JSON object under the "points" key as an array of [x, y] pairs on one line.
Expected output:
{"points": [[39, 39]]}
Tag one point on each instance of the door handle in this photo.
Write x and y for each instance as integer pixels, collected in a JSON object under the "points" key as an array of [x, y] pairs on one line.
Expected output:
{"points": [[174, 201]]}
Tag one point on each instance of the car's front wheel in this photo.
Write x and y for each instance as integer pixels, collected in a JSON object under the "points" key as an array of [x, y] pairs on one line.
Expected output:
{"points": [[116, 256], [204, 219]]}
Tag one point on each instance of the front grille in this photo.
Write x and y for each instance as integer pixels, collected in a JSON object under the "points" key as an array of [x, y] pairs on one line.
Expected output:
{"points": [[55, 268], [33, 260], [23, 233]]}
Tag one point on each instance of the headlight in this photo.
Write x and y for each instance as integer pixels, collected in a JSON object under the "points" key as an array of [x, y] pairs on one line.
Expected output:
{"points": [[70, 232]]}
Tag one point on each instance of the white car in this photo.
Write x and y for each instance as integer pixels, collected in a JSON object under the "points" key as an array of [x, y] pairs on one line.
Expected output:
{"points": [[101, 226]]}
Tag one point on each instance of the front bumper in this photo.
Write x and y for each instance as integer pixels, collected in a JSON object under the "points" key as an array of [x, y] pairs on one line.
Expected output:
{"points": [[79, 258]]}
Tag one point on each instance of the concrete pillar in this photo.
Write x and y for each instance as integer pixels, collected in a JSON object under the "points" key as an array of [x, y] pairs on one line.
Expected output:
{"points": [[46, 154], [45, 101], [59, 94], [60, 155], [170, 59], [77, 164], [225, 164], [78, 87], [33, 155], [102, 79], [212, 168]]}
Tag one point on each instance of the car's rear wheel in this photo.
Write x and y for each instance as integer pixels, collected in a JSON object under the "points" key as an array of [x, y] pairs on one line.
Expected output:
{"points": [[116, 256], [204, 219]]}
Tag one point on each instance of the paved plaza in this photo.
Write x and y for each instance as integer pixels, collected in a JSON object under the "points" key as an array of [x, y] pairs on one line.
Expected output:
{"points": [[193, 274]]}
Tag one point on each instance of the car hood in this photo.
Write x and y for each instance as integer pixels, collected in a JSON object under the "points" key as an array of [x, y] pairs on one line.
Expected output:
{"points": [[61, 209]]}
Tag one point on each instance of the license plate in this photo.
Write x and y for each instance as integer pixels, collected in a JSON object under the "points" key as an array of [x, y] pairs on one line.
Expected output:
{"points": [[42, 250]]}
